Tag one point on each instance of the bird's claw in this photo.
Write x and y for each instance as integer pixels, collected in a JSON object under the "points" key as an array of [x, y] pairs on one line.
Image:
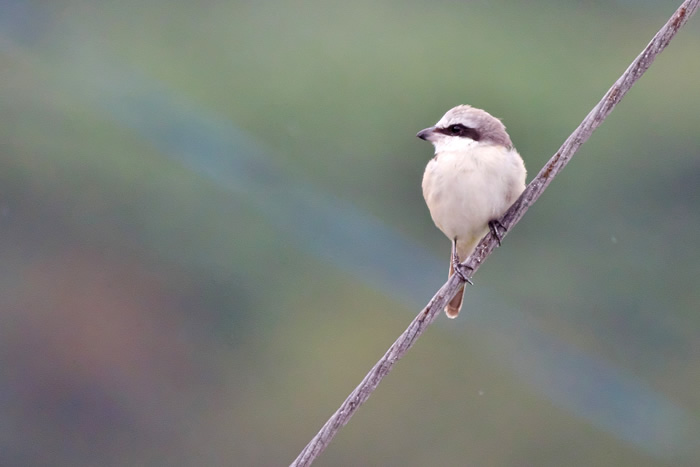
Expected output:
{"points": [[494, 225], [460, 269]]}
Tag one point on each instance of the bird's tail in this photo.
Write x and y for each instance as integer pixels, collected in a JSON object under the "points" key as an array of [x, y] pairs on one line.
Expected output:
{"points": [[454, 305], [452, 308]]}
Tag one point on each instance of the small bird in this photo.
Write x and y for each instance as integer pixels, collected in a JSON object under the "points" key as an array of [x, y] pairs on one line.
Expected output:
{"points": [[474, 177]]}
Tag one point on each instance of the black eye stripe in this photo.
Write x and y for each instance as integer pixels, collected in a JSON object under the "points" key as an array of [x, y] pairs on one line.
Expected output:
{"points": [[460, 130]]}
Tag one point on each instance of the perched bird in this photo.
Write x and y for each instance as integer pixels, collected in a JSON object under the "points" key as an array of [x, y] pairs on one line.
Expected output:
{"points": [[474, 177]]}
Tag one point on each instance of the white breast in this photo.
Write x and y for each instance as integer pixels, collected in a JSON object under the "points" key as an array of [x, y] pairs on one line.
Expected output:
{"points": [[467, 189]]}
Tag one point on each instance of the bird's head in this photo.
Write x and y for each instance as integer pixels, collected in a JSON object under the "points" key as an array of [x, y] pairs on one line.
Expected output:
{"points": [[463, 128]]}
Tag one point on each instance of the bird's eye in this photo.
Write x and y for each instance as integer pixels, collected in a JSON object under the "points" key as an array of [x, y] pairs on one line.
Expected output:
{"points": [[460, 130], [457, 129]]}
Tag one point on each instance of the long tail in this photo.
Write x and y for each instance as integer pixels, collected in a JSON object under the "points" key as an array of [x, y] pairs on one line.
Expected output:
{"points": [[453, 307]]}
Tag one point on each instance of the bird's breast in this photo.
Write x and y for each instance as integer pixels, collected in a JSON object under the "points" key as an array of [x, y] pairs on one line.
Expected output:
{"points": [[464, 191]]}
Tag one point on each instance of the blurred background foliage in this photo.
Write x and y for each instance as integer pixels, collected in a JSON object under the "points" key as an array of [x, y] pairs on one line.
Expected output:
{"points": [[211, 226]]}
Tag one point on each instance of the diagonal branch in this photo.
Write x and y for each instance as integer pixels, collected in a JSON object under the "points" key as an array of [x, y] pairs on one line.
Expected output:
{"points": [[483, 250]]}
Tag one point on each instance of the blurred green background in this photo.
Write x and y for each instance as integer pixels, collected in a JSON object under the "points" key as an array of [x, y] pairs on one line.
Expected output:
{"points": [[211, 227]]}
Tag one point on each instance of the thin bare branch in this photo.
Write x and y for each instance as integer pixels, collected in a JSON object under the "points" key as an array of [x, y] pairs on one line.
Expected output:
{"points": [[533, 191]]}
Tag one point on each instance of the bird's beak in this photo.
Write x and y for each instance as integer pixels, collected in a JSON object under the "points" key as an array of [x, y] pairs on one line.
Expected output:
{"points": [[425, 134]]}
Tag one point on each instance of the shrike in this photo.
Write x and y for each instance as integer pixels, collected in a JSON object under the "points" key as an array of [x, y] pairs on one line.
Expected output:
{"points": [[474, 177]]}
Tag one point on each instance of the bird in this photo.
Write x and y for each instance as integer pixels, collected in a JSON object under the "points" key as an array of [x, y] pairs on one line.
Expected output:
{"points": [[475, 175]]}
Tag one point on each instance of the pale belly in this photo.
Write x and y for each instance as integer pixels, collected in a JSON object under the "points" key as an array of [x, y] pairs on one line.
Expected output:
{"points": [[464, 193]]}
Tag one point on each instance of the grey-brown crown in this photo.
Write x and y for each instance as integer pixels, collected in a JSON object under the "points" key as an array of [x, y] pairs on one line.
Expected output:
{"points": [[469, 122]]}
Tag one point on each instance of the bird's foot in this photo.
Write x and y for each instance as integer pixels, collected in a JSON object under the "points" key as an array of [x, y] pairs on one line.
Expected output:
{"points": [[461, 269], [494, 225]]}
